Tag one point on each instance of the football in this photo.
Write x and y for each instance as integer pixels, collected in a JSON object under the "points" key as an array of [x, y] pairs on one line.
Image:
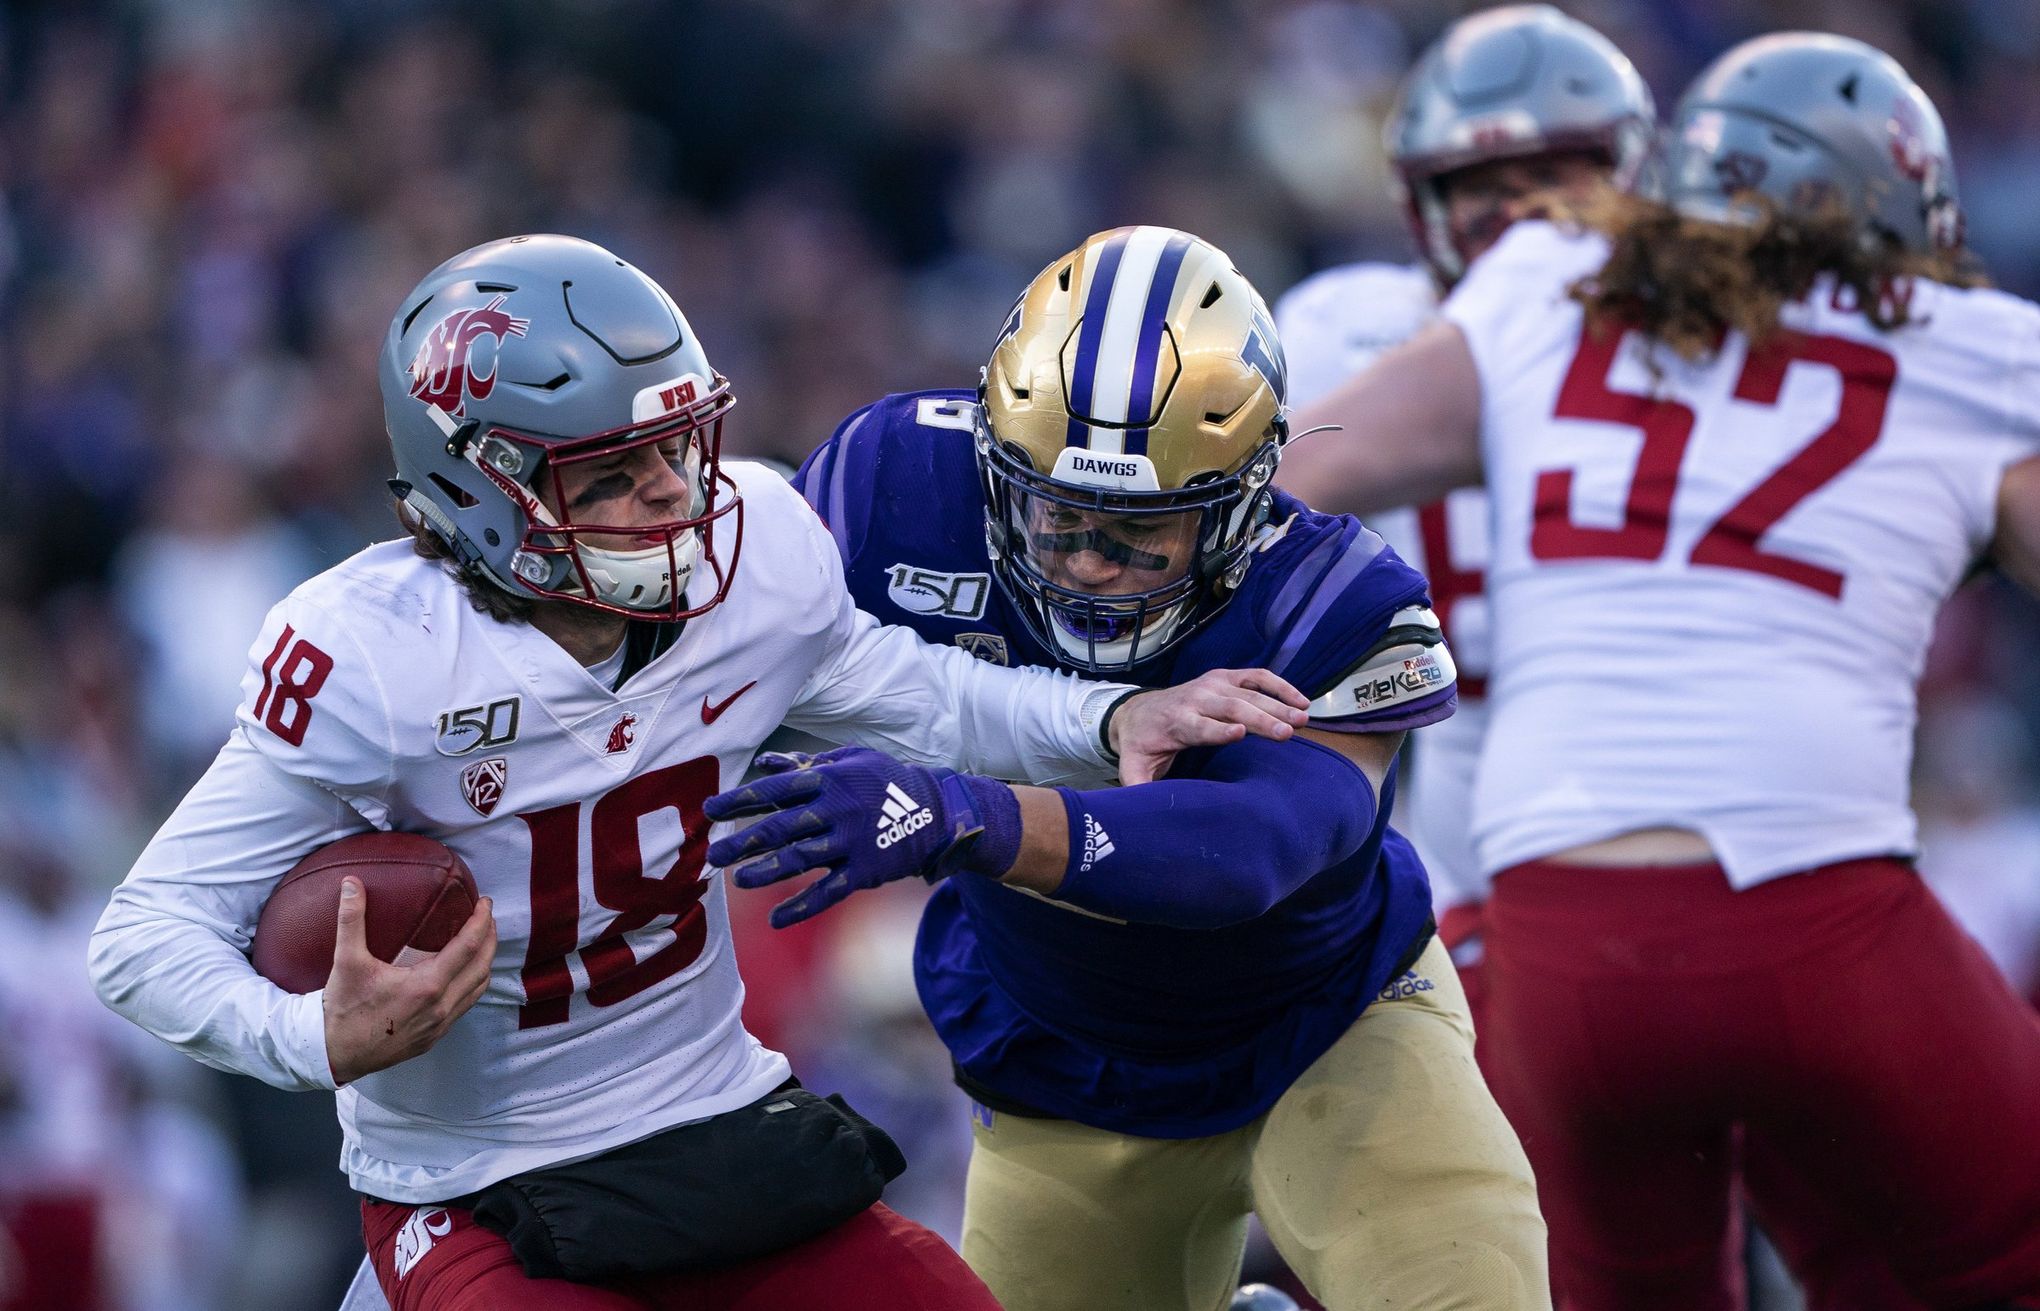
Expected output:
{"points": [[419, 894]]}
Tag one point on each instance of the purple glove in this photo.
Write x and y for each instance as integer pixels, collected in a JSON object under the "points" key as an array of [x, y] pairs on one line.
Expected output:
{"points": [[867, 819]]}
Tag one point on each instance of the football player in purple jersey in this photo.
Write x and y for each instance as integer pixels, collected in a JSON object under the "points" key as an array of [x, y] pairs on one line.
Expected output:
{"points": [[1213, 995]]}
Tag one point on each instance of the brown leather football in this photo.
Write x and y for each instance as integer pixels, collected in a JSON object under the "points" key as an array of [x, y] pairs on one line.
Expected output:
{"points": [[419, 894]]}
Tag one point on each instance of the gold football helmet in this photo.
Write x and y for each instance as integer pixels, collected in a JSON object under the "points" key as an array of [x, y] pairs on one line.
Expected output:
{"points": [[1129, 426]]}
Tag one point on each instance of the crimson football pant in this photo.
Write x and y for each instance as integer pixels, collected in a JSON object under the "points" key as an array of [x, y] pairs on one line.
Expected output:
{"points": [[433, 1258], [1837, 1270], [1830, 1041]]}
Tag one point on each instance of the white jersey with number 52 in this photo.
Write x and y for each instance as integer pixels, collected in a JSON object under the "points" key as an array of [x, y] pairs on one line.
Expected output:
{"points": [[1333, 325], [378, 697], [1714, 583]]}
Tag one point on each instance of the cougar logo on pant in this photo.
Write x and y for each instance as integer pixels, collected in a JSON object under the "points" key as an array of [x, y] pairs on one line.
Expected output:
{"points": [[414, 1240]]}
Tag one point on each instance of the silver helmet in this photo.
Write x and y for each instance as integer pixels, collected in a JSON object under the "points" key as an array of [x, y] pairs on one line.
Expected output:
{"points": [[522, 357], [1504, 84], [1806, 120]]}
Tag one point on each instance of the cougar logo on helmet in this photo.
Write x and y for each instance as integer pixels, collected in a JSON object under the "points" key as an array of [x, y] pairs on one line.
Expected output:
{"points": [[1839, 125], [1909, 148], [611, 366], [443, 373]]}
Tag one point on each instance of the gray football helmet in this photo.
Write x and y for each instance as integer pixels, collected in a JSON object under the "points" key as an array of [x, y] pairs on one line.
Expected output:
{"points": [[1805, 119], [1507, 83], [522, 357]]}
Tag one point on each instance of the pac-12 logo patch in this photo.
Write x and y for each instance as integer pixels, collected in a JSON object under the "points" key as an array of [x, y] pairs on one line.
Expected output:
{"points": [[482, 784], [447, 371], [988, 647], [932, 592]]}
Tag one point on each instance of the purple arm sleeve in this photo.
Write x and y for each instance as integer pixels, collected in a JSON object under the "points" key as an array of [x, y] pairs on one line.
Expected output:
{"points": [[1261, 819]]}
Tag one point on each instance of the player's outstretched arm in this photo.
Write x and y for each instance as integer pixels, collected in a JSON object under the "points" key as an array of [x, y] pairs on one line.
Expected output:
{"points": [[378, 1014], [1197, 853], [882, 686], [1410, 430]]}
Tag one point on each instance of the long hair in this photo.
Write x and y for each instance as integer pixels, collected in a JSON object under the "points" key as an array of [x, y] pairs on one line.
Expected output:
{"points": [[484, 593], [1685, 282]]}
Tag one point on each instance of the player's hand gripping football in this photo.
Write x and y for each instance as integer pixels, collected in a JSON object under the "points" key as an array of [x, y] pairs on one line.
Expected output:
{"points": [[379, 1014], [859, 815], [1216, 707]]}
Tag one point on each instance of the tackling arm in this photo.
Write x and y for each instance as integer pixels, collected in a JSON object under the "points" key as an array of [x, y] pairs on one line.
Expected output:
{"points": [[1411, 431], [1259, 820]]}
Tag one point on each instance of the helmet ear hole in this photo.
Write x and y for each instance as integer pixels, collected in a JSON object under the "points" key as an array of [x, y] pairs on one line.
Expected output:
{"points": [[454, 492]]}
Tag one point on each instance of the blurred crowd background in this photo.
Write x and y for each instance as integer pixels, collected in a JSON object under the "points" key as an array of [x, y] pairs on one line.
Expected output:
{"points": [[208, 211]]}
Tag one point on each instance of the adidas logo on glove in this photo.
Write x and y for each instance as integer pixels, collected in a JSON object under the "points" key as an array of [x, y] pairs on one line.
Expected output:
{"points": [[899, 816]]}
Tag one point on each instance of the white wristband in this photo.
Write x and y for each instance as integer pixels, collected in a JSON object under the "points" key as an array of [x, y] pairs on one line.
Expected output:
{"points": [[1094, 712]]}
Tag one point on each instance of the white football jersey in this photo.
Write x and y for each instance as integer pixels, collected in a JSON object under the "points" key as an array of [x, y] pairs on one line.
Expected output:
{"points": [[377, 696], [1713, 583], [1333, 325]]}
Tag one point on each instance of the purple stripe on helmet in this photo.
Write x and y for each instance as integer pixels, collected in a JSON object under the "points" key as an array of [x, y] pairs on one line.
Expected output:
{"points": [[1149, 347], [1359, 552], [1085, 369]]}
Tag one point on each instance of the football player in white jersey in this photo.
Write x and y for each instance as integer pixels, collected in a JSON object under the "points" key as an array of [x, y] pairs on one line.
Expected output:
{"points": [[551, 679], [1509, 105], [1738, 448]]}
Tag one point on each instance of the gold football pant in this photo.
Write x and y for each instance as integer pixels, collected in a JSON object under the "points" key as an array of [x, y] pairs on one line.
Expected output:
{"points": [[1386, 1176]]}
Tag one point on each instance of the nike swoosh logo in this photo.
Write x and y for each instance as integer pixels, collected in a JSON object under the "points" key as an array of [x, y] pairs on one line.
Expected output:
{"points": [[711, 713]]}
